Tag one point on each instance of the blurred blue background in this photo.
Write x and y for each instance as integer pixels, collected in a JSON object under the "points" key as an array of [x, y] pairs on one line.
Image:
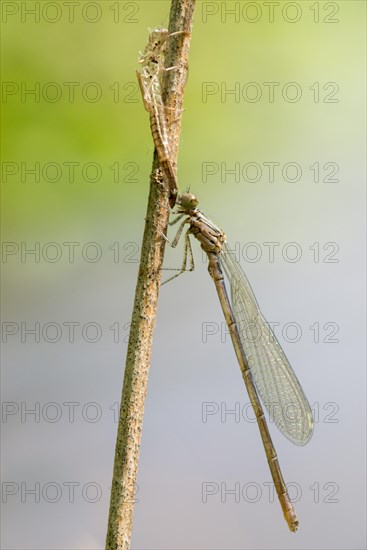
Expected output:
{"points": [[273, 142]]}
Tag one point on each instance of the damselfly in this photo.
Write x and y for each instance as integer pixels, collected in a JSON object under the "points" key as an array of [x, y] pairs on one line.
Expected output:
{"points": [[150, 81], [265, 369]]}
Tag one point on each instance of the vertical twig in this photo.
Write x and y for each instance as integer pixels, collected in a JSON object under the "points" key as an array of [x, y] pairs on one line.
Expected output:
{"points": [[146, 295]]}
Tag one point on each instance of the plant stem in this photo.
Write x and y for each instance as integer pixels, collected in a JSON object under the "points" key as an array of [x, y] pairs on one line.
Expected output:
{"points": [[146, 294]]}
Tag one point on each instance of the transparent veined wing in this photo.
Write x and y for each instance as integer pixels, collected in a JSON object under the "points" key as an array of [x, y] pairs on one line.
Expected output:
{"points": [[276, 383]]}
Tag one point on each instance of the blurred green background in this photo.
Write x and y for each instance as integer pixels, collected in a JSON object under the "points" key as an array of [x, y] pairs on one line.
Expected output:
{"points": [[100, 134]]}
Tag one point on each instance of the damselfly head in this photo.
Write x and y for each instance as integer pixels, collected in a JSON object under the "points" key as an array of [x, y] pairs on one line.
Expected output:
{"points": [[187, 201]]}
